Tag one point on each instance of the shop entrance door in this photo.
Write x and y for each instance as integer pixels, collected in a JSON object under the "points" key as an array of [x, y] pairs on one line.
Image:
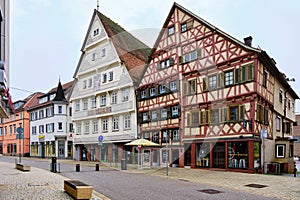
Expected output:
{"points": [[219, 155]]}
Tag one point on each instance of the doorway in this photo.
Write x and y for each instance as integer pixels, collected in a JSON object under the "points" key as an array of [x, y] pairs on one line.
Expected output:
{"points": [[219, 155]]}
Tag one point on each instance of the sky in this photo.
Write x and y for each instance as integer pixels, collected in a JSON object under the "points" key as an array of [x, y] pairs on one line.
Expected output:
{"points": [[47, 35]]}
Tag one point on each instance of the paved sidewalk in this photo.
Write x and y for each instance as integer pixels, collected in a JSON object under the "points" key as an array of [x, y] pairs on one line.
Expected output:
{"points": [[35, 184]]}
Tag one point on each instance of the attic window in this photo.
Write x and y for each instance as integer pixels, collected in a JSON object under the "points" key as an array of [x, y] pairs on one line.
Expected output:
{"points": [[96, 31], [171, 30]]}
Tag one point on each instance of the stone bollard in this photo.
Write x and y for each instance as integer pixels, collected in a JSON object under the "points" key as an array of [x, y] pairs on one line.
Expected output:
{"points": [[295, 170], [77, 167], [97, 167]]}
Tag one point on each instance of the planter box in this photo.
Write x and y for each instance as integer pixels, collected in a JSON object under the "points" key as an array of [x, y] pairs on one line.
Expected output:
{"points": [[78, 189]]}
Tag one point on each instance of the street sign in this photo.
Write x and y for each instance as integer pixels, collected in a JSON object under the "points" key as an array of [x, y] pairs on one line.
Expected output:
{"points": [[263, 133], [20, 129], [19, 136], [100, 138]]}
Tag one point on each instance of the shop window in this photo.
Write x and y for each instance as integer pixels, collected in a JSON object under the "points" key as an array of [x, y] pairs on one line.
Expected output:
{"points": [[203, 155], [238, 155]]}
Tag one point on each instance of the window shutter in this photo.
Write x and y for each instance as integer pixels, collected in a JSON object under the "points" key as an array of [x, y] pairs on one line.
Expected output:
{"points": [[204, 83], [168, 112], [242, 112], [188, 119], [180, 60], [251, 72], [185, 88], [171, 61], [199, 53], [208, 117], [190, 24], [237, 76], [243, 74], [221, 80], [193, 86]]}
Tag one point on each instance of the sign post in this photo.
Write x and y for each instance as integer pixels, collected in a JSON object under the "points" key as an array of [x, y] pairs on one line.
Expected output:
{"points": [[100, 143], [20, 136], [264, 135]]}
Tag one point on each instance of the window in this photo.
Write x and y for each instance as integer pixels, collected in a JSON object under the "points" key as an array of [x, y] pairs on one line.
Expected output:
{"points": [[15, 129], [147, 136], [49, 112], [96, 31], [115, 123], [114, 96], [86, 127], [60, 126], [289, 104], [265, 78], [59, 109], [104, 125], [41, 114], [85, 104], [190, 87], [175, 136], [234, 113], [165, 63], [195, 119], [175, 111], [165, 136], [49, 128], [110, 76], [145, 117], [33, 130], [280, 151], [262, 114], [127, 122], [153, 115], [287, 127], [277, 123], [77, 105], [215, 116], [143, 94], [173, 86], [162, 89], [163, 113], [155, 137], [191, 56], [247, 73], [280, 96], [152, 92], [228, 78], [41, 129], [104, 78], [183, 27], [126, 94], [1, 131], [103, 100], [90, 82], [103, 51], [94, 56], [84, 84], [78, 128], [71, 127], [95, 126], [212, 82], [94, 102], [70, 111], [171, 30]]}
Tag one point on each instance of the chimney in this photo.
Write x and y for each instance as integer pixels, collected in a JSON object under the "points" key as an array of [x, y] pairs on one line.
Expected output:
{"points": [[248, 41]]}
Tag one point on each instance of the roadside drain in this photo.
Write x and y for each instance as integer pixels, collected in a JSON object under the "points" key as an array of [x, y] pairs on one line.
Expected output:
{"points": [[210, 191], [256, 185]]}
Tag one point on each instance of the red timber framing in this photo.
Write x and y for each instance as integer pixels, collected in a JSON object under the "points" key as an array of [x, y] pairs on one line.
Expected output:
{"points": [[224, 92]]}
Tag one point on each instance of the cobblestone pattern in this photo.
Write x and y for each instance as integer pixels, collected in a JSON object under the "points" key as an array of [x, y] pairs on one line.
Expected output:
{"points": [[35, 184]]}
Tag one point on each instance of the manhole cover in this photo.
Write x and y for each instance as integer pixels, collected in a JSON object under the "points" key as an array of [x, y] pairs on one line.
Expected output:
{"points": [[210, 191], [256, 185]]}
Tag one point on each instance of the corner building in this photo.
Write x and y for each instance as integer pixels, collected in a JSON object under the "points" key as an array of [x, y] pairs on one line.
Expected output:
{"points": [[208, 96], [103, 98]]}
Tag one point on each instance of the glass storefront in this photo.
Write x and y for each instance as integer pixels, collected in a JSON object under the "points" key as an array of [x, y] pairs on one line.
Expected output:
{"points": [[202, 155], [238, 155], [256, 155]]}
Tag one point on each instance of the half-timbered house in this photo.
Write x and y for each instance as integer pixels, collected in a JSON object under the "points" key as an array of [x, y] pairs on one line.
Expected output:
{"points": [[207, 96]]}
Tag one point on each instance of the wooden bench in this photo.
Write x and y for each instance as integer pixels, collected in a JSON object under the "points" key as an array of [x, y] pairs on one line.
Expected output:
{"points": [[78, 189], [24, 168]]}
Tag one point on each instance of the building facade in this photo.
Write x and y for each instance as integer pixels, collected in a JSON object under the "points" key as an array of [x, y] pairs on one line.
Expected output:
{"points": [[207, 97], [10, 142], [6, 105], [103, 97], [51, 129], [296, 137]]}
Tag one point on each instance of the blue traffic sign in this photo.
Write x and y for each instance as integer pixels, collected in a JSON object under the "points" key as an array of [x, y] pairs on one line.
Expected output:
{"points": [[20, 129], [100, 138]]}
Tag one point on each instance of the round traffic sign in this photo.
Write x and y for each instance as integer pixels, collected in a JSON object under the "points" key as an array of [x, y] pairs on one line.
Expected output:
{"points": [[100, 138]]}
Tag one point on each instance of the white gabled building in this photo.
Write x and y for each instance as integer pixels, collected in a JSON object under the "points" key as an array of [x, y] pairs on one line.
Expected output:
{"points": [[103, 98], [50, 124]]}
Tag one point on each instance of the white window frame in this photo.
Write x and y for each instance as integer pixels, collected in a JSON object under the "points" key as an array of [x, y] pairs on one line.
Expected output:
{"points": [[115, 124], [127, 121], [94, 102], [162, 89], [85, 104], [95, 126], [78, 128], [143, 94], [90, 82], [84, 84], [77, 105], [153, 115], [103, 100], [152, 92], [145, 116], [126, 92], [173, 86], [104, 123], [163, 113], [110, 76], [114, 98], [175, 111], [278, 123], [280, 148], [86, 127]]}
